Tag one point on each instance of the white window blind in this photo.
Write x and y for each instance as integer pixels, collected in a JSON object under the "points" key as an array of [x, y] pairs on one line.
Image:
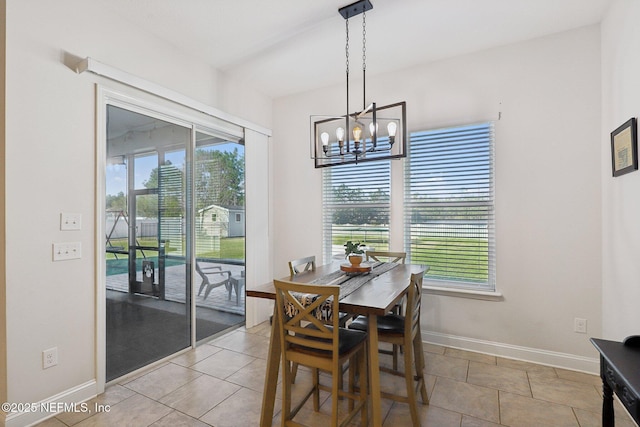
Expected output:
{"points": [[449, 205], [356, 205]]}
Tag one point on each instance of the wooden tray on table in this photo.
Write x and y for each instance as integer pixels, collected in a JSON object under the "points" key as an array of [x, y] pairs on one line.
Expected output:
{"points": [[349, 268]]}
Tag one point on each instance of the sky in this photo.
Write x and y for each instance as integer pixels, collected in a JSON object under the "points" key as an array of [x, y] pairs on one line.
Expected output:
{"points": [[116, 176]]}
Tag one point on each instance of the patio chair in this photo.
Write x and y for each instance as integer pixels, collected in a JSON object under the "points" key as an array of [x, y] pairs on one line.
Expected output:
{"points": [[212, 277]]}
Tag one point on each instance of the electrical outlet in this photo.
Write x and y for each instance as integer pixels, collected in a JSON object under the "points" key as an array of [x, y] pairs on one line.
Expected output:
{"points": [[580, 325], [49, 357]]}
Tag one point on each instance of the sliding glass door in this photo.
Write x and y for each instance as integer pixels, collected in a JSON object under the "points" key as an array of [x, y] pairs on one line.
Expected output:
{"points": [[174, 236]]}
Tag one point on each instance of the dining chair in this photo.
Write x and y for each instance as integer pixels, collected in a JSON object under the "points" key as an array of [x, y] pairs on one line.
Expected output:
{"points": [[385, 256], [302, 265], [405, 331], [396, 257], [320, 345], [212, 277], [309, 264]]}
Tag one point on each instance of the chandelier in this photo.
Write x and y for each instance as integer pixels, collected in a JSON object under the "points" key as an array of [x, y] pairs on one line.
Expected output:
{"points": [[374, 133]]}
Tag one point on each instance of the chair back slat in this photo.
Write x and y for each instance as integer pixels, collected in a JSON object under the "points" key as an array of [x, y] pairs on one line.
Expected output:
{"points": [[414, 303], [301, 265], [307, 300], [386, 256]]}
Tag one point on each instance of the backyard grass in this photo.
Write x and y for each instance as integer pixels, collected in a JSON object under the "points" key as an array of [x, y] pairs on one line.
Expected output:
{"points": [[461, 259], [456, 259]]}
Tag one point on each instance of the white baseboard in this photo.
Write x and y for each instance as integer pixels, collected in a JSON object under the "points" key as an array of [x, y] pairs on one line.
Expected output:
{"points": [[534, 355], [38, 413]]}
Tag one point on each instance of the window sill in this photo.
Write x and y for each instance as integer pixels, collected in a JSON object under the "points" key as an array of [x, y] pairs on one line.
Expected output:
{"points": [[463, 293]]}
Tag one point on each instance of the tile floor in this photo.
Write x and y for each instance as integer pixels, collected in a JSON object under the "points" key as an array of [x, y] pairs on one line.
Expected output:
{"points": [[220, 384]]}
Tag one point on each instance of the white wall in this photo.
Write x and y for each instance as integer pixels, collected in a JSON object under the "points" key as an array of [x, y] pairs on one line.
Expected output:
{"points": [[50, 168], [621, 195], [552, 160], [547, 187]]}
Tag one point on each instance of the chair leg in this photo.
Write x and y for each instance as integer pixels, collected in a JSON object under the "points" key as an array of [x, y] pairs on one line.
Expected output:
{"points": [[336, 379], [364, 385], [352, 380], [294, 372], [202, 285], [208, 290], [419, 360], [286, 393], [316, 389], [395, 356], [411, 394]]}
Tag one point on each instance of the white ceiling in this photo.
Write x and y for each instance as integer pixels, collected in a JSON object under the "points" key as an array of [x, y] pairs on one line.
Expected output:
{"points": [[288, 46]]}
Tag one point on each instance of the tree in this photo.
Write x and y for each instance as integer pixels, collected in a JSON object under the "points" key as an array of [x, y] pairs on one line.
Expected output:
{"points": [[360, 213], [117, 202], [219, 178]]}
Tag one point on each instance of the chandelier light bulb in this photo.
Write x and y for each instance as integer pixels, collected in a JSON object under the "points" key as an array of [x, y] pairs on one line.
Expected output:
{"points": [[357, 133], [391, 128], [373, 128], [340, 134], [324, 136]]}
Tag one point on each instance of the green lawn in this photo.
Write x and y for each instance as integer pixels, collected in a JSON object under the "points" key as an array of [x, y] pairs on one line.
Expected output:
{"points": [[457, 259], [461, 259], [374, 238], [229, 248]]}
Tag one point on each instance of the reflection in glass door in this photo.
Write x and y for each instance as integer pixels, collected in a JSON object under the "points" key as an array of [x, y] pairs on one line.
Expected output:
{"points": [[148, 296], [219, 233]]}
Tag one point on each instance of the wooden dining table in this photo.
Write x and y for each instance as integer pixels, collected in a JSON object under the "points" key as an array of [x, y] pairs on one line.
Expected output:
{"points": [[375, 297]]}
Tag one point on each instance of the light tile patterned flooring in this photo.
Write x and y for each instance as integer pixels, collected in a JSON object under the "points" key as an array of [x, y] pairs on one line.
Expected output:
{"points": [[220, 384]]}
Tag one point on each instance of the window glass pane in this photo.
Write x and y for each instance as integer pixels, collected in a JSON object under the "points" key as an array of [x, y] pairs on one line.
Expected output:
{"points": [[145, 164], [356, 205], [219, 232], [449, 205]]}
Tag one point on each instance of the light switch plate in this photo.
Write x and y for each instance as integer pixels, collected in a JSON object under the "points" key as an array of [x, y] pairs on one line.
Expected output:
{"points": [[65, 251], [70, 221]]}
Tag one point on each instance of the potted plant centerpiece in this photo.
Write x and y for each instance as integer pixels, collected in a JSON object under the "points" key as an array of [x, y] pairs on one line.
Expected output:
{"points": [[353, 252]]}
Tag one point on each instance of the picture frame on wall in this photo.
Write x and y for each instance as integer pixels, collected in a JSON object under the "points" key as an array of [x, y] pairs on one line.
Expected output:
{"points": [[624, 148]]}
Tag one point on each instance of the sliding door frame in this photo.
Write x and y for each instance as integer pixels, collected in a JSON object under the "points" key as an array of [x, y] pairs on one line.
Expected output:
{"points": [[138, 102]]}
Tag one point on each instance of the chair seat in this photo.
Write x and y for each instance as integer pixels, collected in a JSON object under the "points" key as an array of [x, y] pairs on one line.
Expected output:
{"points": [[388, 324], [347, 341]]}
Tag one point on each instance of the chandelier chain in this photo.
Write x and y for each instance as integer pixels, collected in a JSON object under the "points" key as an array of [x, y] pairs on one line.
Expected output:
{"points": [[346, 48], [364, 41]]}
